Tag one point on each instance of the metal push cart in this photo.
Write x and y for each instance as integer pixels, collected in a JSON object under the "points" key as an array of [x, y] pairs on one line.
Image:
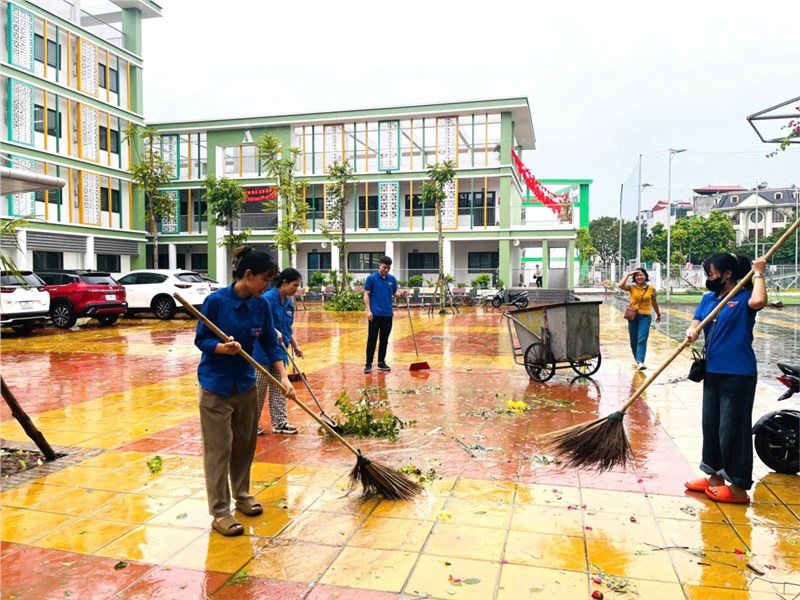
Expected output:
{"points": [[546, 337]]}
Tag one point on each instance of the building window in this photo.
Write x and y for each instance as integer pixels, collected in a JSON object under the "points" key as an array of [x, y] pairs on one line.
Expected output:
{"points": [[47, 261], [363, 261], [53, 51], [778, 195], [319, 261], [104, 199], [777, 216], [114, 140], [428, 209], [734, 199], [735, 218], [373, 212], [54, 197], [108, 262], [483, 262], [53, 121], [112, 75], [756, 217], [420, 263], [200, 262], [316, 208], [473, 204]]}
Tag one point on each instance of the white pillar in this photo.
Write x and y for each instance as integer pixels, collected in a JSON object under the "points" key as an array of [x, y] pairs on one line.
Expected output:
{"points": [[89, 258], [20, 254], [172, 251], [335, 258], [447, 257], [388, 250], [223, 264]]}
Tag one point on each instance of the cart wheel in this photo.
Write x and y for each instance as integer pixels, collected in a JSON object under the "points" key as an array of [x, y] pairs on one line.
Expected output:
{"points": [[586, 367], [539, 362]]}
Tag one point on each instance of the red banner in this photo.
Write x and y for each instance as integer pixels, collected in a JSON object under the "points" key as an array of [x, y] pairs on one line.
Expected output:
{"points": [[260, 194], [554, 202]]}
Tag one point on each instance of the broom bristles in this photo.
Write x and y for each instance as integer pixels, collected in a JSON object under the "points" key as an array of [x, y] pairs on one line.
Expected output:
{"points": [[378, 479], [600, 445]]}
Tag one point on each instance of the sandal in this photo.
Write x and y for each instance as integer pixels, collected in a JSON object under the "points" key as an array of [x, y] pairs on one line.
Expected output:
{"points": [[723, 494], [285, 429], [698, 485], [249, 506], [227, 526]]}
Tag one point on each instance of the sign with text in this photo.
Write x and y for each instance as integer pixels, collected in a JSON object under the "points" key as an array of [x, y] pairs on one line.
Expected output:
{"points": [[260, 194]]}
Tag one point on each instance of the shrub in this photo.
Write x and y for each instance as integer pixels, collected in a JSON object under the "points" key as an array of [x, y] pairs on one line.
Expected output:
{"points": [[344, 301], [369, 418], [449, 278], [481, 281], [400, 283], [415, 281], [461, 285], [317, 279]]}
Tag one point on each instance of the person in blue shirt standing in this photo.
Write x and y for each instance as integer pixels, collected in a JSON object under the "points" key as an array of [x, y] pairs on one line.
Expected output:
{"points": [[228, 403], [729, 386], [279, 297], [379, 288]]}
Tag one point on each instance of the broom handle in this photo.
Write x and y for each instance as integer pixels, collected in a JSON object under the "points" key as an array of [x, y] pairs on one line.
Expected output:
{"points": [[207, 322], [709, 318], [411, 322]]}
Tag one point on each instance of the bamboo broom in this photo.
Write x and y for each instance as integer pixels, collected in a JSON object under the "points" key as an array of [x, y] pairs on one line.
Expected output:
{"points": [[603, 444], [373, 477]]}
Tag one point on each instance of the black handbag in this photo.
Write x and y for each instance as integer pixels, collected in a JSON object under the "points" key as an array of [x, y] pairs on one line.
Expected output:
{"points": [[697, 370]]}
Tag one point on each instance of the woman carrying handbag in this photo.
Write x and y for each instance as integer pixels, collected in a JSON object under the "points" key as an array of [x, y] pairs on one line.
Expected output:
{"points": [[642, 302]]}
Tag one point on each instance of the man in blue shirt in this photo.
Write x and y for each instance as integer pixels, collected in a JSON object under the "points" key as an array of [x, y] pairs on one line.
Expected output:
{"points": [[379, 288]]}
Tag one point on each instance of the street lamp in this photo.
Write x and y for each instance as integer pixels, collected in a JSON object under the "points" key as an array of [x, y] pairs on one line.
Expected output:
{"points": [[639, 221], [672, 153], [759, 186]]}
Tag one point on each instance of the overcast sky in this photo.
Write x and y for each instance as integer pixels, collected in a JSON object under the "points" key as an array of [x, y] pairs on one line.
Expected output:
{"points": [[607, 80]]}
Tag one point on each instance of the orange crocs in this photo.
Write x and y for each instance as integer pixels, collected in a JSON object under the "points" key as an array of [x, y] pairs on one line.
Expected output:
{"points": [[698, 485], [722, 493]]}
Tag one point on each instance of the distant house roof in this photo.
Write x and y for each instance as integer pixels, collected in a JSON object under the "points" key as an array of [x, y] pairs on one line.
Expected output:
{"points": [[718, 189], [662, 204], [732, 200]]}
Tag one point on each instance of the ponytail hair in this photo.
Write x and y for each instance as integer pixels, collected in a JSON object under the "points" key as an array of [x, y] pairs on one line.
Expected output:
{"points": [[288, 275], [738, 264], [247, 257]]}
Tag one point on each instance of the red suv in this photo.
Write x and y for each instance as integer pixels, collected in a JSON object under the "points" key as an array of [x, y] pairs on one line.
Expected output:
{"points": [[76, 293]]}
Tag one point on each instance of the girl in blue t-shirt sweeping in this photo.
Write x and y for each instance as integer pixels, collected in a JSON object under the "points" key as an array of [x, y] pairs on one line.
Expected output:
{"points": [[729, 387], [228, 402]]}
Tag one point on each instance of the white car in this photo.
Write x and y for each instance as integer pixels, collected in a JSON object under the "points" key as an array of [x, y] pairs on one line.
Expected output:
{"points": [[24, 303], [152, 290]]}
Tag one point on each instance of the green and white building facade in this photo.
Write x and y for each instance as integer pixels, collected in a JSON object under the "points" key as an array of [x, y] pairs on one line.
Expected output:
{"points": [[493, 222]]}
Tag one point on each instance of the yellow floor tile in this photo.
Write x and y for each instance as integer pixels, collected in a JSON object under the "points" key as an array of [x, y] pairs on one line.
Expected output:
{"points": [[518, 582], [297, 497], [26, 526], [77, 501], [75, 476], [217, 553], [189, 512], [498, 491], [788, 494], [261, 471], [314, 476], [290, 560], [337, 500], [699, 535], [134, 508], [30, 494], [548, 495], [84, 535], [547, 519], [392, 534], [643, 588], [621, 559], [618, 527], [760, 514], [432, 576], [323, 528], [150, 544], [624, 503], [479, 513], [449, 539], [690, 507], [723, 570], [269, 523], [115, 460], [175, 486], [546, 550], [122, 481], [383, 570], [422, 507], [765, 541]]}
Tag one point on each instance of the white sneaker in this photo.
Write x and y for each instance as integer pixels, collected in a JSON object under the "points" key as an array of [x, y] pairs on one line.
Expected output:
{"points": [[635, 365], [641, 367]]}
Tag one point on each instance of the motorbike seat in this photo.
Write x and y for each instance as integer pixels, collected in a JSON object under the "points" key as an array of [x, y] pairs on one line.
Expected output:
{"points": [[789, 368]]}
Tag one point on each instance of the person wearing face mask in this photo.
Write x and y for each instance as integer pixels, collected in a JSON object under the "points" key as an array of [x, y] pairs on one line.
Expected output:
{"points": [[643, 299], [729, 386]]}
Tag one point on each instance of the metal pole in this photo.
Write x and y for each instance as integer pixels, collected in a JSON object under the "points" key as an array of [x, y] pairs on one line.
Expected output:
{"points": [[796, 216], [621, 187], [669, 219], [639, 219]]}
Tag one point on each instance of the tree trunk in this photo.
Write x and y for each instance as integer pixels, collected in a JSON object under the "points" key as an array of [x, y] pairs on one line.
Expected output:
{"points": [[441, 283], [343, 249], [154, 233]]}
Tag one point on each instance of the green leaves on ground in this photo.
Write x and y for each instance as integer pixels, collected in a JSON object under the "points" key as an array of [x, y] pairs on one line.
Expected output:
{"points": [[155, 464], [369, 418]]}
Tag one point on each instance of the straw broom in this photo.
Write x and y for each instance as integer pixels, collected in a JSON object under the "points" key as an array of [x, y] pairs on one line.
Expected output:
{"points": [[603, 444], [373, 477]]}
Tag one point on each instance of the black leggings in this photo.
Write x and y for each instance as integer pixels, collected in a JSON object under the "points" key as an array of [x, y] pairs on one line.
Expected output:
{"points": [[382, 326]]}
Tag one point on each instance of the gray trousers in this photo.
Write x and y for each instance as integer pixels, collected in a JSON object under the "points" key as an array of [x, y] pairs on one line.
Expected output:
{"points": [[277, 401], [229, 425]]}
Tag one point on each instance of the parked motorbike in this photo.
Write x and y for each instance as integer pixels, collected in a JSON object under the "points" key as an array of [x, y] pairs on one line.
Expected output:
{"points": [[777, 433], [504, 297]]}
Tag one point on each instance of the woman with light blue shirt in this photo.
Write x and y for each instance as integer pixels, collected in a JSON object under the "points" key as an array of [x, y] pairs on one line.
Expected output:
{"points": [[228, 402], [279, 297]]}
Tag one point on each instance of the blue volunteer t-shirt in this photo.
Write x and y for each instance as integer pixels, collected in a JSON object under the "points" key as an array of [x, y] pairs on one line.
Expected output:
{"points": [[730, 349], [381, 290], [283, 317]]}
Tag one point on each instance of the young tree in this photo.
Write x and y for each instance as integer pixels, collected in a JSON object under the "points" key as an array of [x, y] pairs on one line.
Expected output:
{"points": [[335, 227], [225, 200], [439, 175], [605, 238], [586, 251], [290, 192], [149, 172]]}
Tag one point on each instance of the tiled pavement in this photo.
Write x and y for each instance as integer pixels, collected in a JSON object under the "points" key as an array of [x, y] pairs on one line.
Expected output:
{"points": [[502, 522]]}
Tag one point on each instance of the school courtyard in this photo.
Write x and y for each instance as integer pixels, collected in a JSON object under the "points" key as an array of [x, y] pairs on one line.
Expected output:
{"points": [[500, 519]]}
